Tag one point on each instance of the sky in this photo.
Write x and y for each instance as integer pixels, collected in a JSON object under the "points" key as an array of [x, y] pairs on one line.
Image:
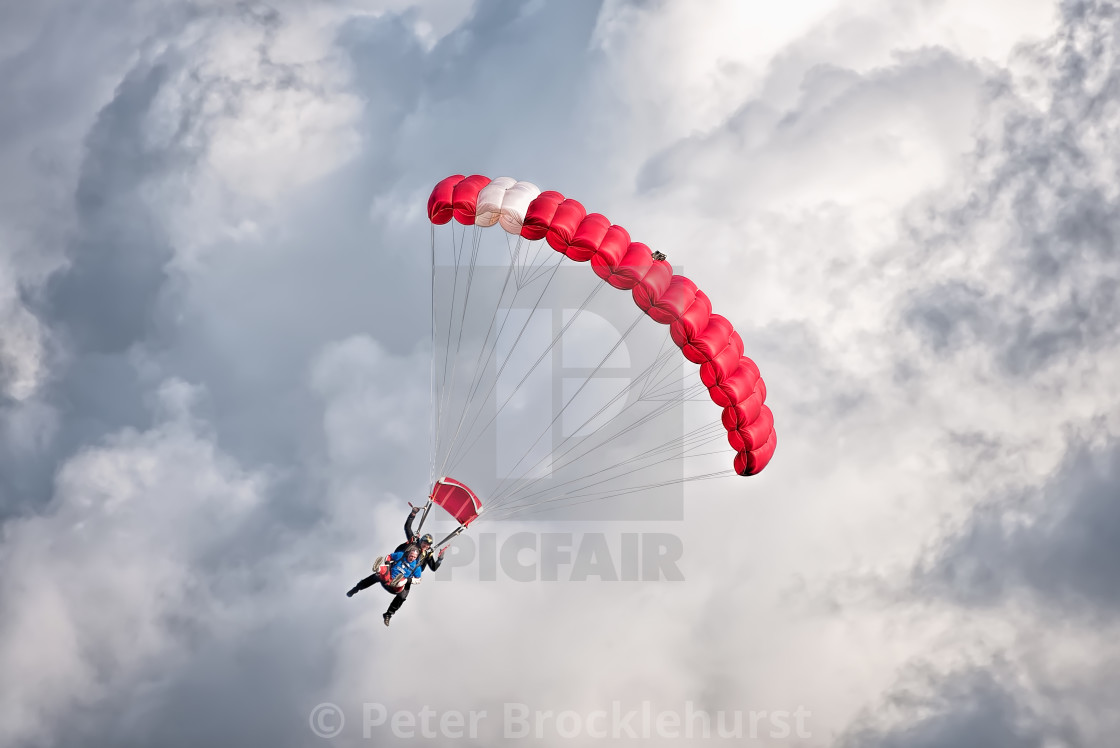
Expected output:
{"points": [[215, 349]]}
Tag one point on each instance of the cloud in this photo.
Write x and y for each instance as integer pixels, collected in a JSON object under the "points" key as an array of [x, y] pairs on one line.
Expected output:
{"points": [[1060, 546], [22, 354], [851, 139], [139, 199], [232, 196], [973, 706], [101, 589], [1011, 296], [1013, 291], [1024, 264], [106, 297], [375, 410]]}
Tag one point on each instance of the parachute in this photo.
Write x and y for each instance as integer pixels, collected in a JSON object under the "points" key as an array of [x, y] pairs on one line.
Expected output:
{"points": [[527, 216], [457, 500]]}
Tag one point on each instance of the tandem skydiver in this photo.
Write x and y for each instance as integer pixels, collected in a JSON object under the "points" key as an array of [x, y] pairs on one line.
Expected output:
{"points": [[396, 572]]}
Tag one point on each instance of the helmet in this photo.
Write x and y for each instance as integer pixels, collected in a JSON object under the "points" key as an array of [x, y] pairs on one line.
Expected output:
{"points": [[427, 539]]}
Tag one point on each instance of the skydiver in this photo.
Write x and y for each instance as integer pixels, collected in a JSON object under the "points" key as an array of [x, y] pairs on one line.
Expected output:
{"points": [[404, 568], [423, 547], [423, 543]]}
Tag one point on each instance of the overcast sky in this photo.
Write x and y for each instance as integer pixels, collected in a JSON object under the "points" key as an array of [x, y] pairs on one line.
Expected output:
{"points": [[214, 351]]}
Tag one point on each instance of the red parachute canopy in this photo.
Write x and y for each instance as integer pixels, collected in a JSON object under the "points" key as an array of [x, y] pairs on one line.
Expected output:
{"points": [[457, 500], [704, 338]]}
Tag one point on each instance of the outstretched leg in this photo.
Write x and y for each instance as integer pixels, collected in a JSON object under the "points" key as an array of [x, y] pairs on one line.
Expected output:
{"points": [[366, 583]]}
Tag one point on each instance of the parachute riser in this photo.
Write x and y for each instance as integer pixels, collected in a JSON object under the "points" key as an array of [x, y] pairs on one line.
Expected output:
{"points": [[450, 537], [424, 516]]}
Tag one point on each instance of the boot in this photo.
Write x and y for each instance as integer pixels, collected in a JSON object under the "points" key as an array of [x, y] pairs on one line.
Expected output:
{"points": [[386, 618]]}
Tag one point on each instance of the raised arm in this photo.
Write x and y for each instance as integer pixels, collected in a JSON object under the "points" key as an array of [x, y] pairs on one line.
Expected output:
{"points": [[408, 522]]}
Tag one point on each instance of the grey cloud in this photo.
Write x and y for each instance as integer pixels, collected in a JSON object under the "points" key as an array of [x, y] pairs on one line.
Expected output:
{"points": [[331, 272], [1045, 291], [248, 689], [803, 380], [106, 299], [115, 291], [428, 113], [248, 331], [1062, 547], [1044, 183], [970, 707], [502, 91], [489, 98], [949, 315], [107, 295]]}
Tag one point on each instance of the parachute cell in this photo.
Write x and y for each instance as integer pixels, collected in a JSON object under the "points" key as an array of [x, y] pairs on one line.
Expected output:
{"points": [[457, 500]]}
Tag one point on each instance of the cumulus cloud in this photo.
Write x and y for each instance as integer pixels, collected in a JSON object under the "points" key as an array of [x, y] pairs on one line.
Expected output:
{"points": [[1016, 294], [22, 354], [102, 589], [968, 707], [1025, 264], [907, 217], [1014, 273], [1060, 545]]}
